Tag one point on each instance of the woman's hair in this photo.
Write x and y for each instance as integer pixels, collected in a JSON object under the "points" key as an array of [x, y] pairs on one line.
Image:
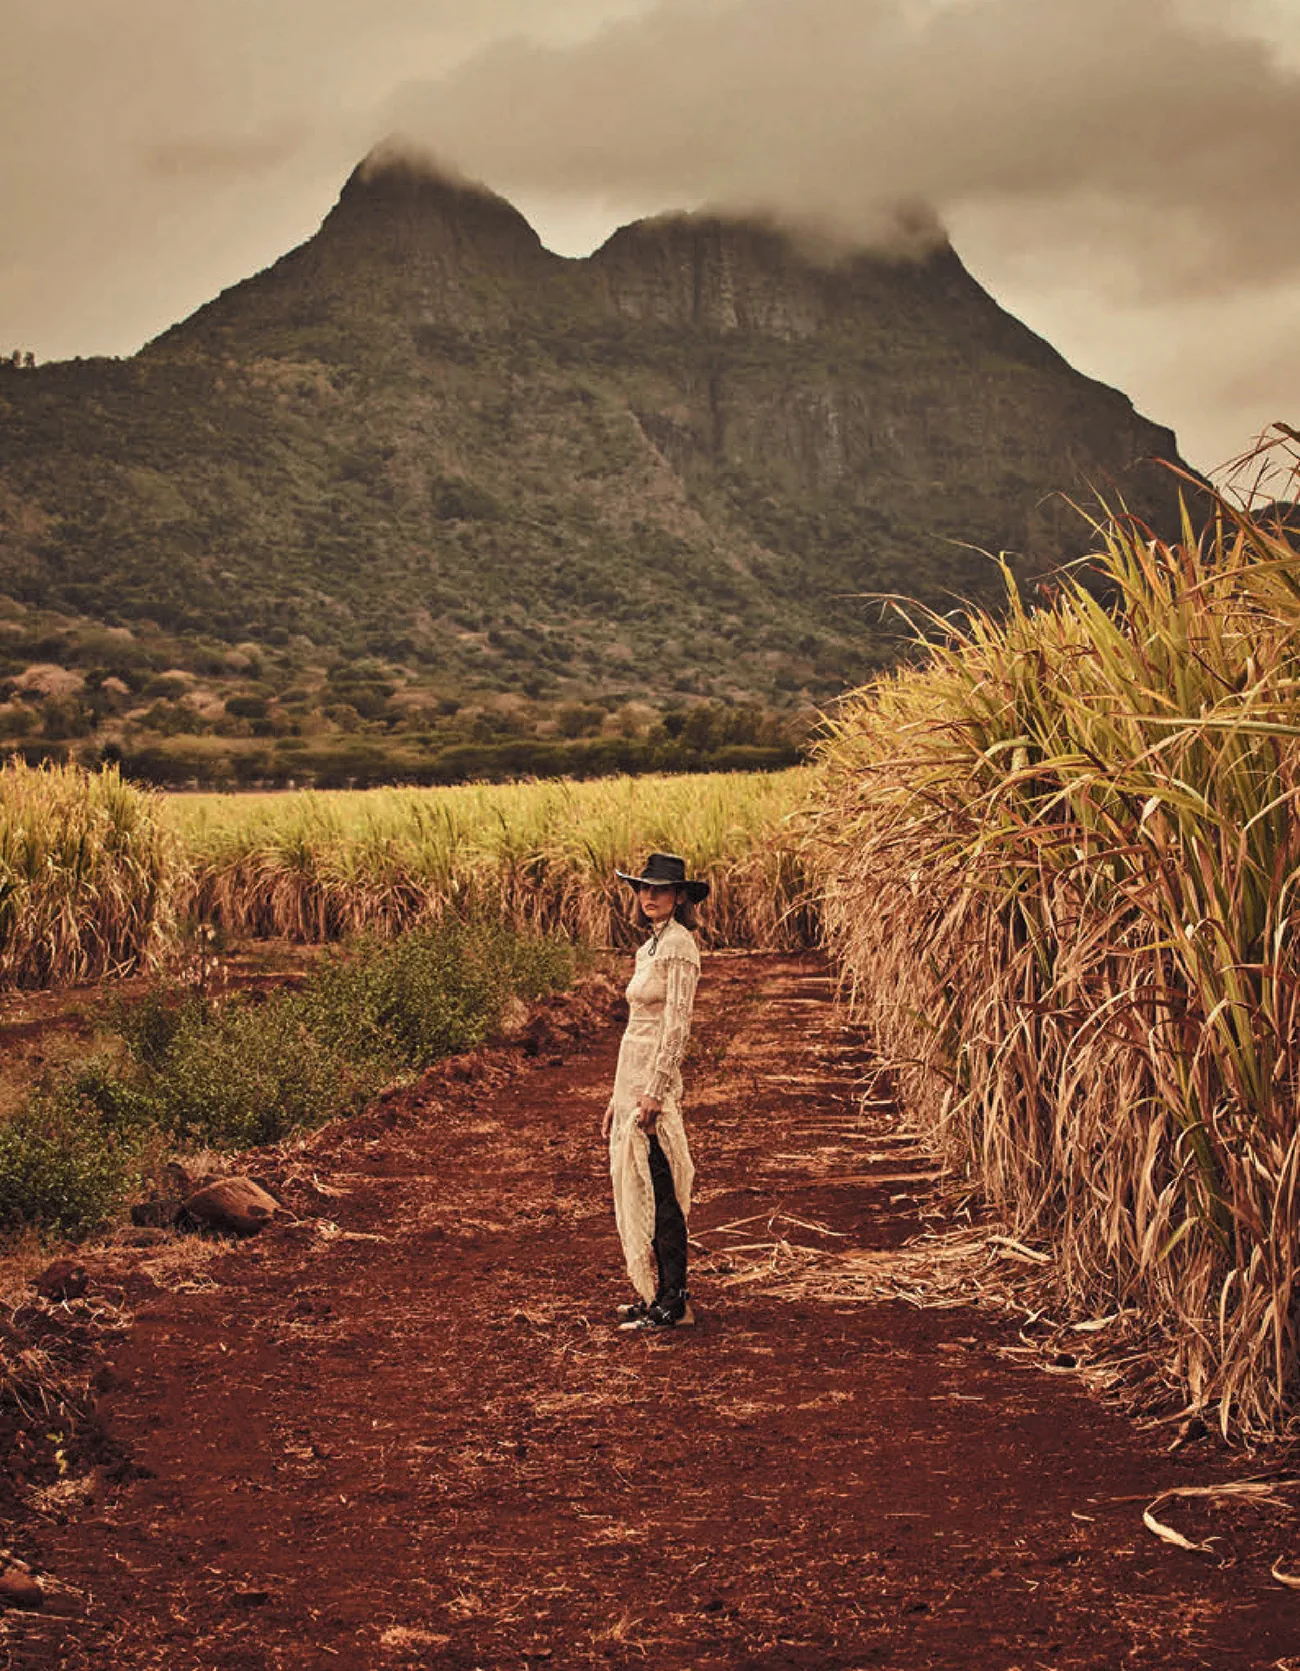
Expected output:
{"points": [[683, 912]]}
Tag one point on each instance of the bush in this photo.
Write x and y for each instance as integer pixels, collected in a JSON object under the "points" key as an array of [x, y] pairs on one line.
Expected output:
{"points": [[65, 1165], [433, 992], [250, 1074], [456, 499], [192, 1072], [246, 707]]}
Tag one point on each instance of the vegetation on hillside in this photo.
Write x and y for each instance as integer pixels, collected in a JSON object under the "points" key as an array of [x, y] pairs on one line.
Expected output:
{"points": [[179, 712], [423, 502], [1060, 862]]}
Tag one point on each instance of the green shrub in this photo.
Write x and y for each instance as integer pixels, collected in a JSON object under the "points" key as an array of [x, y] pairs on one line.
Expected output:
{"points": [[235, 1075], [250, 1074], [246, 707], [149, 1026], [405, 1003], [66, 1167], [456, 499]]}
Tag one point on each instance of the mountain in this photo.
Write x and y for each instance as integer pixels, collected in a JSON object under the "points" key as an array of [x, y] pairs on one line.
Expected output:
{"points": [[422, 473]]}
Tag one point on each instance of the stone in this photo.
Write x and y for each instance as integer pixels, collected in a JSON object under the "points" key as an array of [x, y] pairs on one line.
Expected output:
{"points": [[236, 1204], [63, 1280], [20, 1589]]}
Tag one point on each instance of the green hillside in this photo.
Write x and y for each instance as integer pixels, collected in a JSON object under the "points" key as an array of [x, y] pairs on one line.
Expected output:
{"points": [[423, 486]]}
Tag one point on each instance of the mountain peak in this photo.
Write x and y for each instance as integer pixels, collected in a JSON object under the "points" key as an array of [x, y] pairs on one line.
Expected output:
{"points": [[407, 197]]}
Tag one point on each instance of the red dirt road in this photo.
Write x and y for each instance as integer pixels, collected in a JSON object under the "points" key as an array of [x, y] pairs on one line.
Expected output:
{"points": [[413, 1438]]}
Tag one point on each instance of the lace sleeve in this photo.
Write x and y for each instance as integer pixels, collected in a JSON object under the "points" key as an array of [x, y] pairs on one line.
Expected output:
{"points": [[681, 977]]}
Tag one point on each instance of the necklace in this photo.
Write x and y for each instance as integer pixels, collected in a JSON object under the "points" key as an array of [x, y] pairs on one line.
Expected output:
{"points": [[655, 936]]}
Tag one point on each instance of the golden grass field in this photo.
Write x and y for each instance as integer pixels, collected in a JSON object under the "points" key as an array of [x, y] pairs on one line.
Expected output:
{"points": [[88, 868], [315, 865], [97, 876]]}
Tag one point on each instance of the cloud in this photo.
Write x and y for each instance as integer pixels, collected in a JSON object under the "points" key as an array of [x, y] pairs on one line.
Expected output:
{"points": [[1137, 129], [1121, 173]]}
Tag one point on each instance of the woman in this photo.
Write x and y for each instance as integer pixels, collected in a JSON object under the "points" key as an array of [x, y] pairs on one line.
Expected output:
{"points": [[649, 1161]]}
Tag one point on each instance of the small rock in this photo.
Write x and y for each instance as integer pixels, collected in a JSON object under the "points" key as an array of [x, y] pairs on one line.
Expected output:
{"points": [[236, 1204], [63, 1280], [20, 1589]]}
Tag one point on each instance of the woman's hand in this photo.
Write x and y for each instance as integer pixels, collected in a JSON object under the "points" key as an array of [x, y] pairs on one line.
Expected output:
{"points": [[608, 1120], [648, 1110]]}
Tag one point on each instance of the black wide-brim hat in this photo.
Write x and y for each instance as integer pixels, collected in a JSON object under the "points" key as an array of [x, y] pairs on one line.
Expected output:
{"points": [[667, 870]]}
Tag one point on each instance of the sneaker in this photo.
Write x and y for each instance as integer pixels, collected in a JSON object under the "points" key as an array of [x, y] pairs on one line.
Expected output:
{"points": [[667, 1311]]}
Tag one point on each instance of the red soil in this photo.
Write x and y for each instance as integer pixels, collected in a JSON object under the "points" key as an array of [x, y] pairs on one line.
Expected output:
{"points": [[420, 1442]]}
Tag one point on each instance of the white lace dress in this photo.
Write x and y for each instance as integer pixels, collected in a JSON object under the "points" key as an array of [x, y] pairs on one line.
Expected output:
{"points": [[660, 997]]}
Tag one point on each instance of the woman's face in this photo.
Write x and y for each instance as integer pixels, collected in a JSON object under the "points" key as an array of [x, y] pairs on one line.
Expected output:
{"points": [[657, 900]]}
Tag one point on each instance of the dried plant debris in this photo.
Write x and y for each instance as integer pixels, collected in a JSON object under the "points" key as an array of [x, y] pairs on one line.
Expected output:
{"points": [[53, 1454], [48, 1350], [945, 1268], [1279, 1494]]}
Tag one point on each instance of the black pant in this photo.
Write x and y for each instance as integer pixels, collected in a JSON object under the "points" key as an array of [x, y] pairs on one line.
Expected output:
{"points": [[670, 1226]]}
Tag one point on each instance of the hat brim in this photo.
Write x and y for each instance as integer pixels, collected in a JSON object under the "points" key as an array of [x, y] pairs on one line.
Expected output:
{"points": [[695, 891]]}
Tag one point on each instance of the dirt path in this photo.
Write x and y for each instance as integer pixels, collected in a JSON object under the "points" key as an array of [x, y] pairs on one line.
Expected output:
{"points": [[416, 1440]]}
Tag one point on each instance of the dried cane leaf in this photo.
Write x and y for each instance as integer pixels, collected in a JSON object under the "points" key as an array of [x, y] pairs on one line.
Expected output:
{"points": [[1018, 1249], [1167, 1533], [1290, 1579]]}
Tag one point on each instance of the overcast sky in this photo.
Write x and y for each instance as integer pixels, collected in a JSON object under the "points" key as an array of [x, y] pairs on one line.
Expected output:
{"points": [[1122, 174]]}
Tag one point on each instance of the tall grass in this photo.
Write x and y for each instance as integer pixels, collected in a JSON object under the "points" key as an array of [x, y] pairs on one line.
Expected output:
{"points": [[317, 865], [86, 873], [96, 875], [1061, 863]]}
